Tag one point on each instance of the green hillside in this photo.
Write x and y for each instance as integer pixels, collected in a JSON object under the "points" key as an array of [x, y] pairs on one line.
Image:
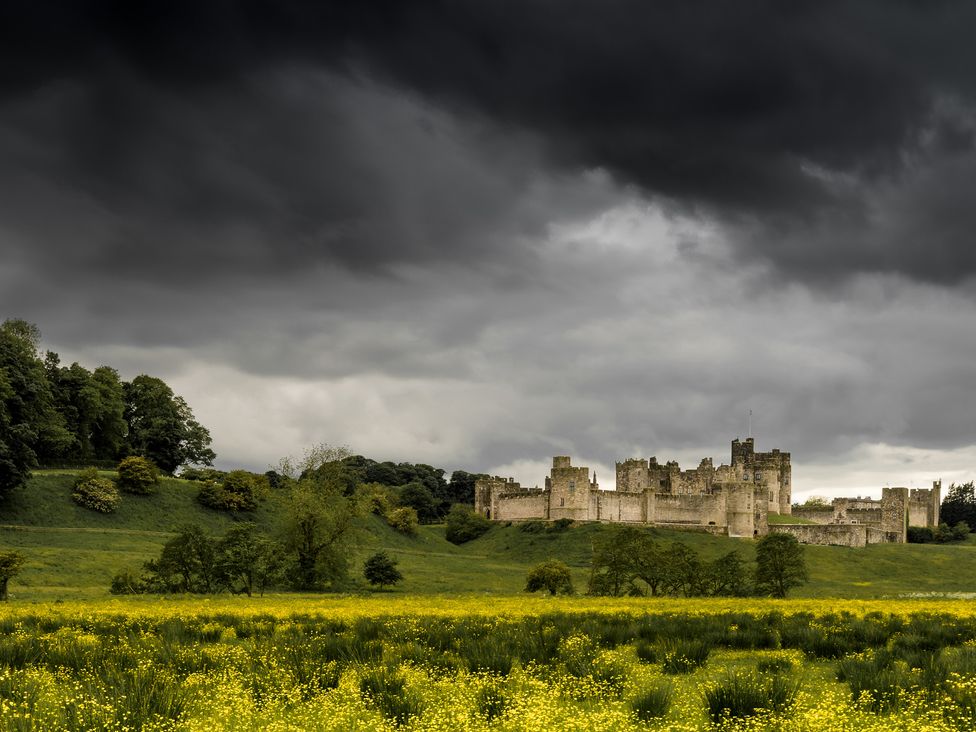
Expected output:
{"points": [[73, 552]]}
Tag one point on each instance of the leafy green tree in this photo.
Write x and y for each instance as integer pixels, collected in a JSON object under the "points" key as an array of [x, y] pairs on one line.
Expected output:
{"points": [[465, 524], [418, 497], [780, 565], [92, 406], [247, 560], [30, 425], [685, 571], [461, 487], [552, 576], [959, 504], [727, 576], [381, 570], [612, 566], [320, 520], [161, 426], [187, 563], [137, 475], [10, 565]]}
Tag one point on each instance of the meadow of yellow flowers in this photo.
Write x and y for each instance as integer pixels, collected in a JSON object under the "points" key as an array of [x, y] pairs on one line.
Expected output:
{"points": [[488, 663]]}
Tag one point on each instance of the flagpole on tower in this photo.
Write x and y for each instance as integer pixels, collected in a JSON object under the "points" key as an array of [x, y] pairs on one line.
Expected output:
{"points": [[750, 423]]}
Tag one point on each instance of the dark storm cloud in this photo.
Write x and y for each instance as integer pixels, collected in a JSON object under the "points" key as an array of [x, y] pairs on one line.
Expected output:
{"points": [[807, 127]]}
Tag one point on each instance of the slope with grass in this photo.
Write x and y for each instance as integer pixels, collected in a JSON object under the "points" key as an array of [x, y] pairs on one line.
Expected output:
{"points": [[74, 552]]}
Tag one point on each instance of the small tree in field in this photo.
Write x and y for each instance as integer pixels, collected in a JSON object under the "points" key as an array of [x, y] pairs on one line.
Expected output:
{"points": [[380, 569], [552, 576], [137, 475], [779, 564], [10, 565]]}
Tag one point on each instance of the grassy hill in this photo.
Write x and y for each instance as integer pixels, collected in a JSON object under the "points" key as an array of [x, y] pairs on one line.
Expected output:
{"points": [[73, 552]]}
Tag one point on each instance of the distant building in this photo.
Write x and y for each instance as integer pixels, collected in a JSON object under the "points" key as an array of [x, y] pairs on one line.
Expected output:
{"points": [[734, 500]]}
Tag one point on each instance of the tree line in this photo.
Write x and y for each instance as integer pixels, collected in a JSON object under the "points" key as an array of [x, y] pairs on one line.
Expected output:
{"points": [[627, 560], [52, 414]]}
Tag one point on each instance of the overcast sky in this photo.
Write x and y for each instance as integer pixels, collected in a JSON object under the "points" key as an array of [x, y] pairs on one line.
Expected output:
{"points": [[479, 234]]}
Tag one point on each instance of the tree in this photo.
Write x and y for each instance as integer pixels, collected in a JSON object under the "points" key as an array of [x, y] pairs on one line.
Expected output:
{"points": [[380, 570], [780, 565], [10, 565], [247, 560], [161, 426], [461, 487], [30, 425], [685, 574], [613, 566], [552, 575], [320, 519], [403, 520], [418, 497], [465, 524], [959, 504], [727, 576], [187, 563]]}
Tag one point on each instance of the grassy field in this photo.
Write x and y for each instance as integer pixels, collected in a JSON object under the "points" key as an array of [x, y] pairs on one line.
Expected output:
{"points": [[425, 663], [73, 552]]}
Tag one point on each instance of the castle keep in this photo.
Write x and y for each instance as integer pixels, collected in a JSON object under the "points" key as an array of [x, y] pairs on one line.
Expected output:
{"points": [[735, 500]]}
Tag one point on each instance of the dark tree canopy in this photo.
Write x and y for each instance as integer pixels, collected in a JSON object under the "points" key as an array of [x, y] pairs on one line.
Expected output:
{"points": [[958, 505], [381, 570], [162, 427], [30, 424], [779, 564]]}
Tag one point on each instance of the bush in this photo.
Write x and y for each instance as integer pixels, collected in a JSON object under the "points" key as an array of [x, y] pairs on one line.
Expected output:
{"points": [[653, 702], [238, 492], [552, 576], [127, 583], [137, 475], [743, 695], [920, 535], [464, 524], [98, 494], [403, 520]]}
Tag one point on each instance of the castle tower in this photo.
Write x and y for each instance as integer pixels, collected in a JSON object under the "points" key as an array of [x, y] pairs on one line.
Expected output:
{"points": [[570, 490]]}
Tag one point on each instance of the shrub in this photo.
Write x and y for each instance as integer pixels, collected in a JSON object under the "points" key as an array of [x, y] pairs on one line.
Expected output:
{"points": [[127, 583], [774, 665], [920, 535], [743, 695], [552, 576], [98, 494], [403, 520], [463, 524], [682, 656], [237, 492], [653, 702], [137, 475]]}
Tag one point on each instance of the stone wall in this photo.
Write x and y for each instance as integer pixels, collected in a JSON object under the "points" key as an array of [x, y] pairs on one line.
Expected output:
{"points": [[626, 507], [488, 490], [854, 535], [708, 509], [522, 506]]}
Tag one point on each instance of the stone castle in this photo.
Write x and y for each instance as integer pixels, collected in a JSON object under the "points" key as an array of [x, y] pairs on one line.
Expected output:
{"points": [[734, 500]]}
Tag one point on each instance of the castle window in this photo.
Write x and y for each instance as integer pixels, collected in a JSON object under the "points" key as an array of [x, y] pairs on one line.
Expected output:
{"points": [[758, 475], [562, 502], [572, 486], [662, 482]]}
